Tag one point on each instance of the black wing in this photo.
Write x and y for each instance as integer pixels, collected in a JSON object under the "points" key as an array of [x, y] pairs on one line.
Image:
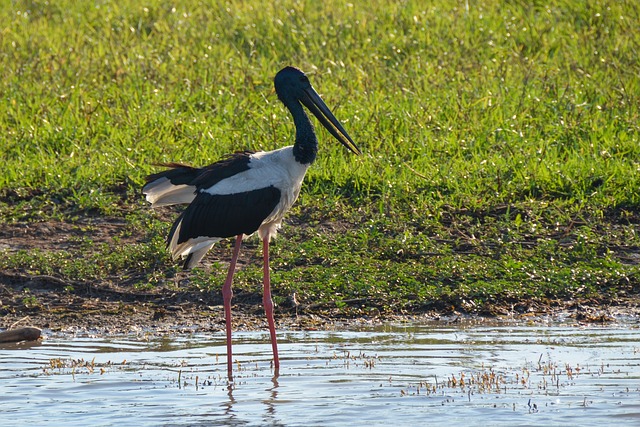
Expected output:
{"points": [[223, 169], [179, 174], [205, 177], [226, 215]]}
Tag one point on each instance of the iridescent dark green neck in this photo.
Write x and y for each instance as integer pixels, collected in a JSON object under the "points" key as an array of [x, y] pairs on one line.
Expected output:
{"points": [[305, 148]]}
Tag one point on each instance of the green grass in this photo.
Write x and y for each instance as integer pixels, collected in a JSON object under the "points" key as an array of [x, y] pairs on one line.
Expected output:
{"points": [[501, 139]]}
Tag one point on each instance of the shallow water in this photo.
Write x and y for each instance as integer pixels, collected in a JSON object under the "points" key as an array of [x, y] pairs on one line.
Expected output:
{"points": [[489, 375]]}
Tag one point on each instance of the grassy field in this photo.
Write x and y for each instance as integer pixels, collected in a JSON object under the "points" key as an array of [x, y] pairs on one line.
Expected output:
{"points": [[501, 141]]}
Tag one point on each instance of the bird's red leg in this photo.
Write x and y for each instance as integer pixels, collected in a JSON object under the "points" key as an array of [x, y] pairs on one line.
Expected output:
{"points": [[268, 304], [227, 293]]}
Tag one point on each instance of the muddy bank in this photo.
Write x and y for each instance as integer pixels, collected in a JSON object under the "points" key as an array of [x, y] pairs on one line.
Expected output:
{"points": [[112, 305], [109, 309]]}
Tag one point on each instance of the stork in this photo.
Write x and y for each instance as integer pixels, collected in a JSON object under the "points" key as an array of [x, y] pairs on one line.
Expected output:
{"points": [[245, 192]]}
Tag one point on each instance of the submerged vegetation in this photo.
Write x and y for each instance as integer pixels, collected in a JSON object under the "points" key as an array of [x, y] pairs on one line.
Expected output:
{"points": [[501, 141]]}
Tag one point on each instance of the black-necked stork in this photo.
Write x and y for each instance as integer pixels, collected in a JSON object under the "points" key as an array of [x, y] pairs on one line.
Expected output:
{"points": [[245, 192]]}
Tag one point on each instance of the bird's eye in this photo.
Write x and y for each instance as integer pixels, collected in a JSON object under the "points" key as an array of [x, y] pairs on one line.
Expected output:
{"points": [[304, 79]]}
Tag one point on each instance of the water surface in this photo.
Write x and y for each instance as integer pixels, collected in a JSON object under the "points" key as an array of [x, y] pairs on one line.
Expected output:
{"points": [[443, 375]]}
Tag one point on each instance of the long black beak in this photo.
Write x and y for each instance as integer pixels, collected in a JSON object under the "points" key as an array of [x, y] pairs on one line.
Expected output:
{"points": [[316, 105]]}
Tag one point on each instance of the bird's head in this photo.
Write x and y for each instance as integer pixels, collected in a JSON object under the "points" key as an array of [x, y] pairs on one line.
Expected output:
{"points": [[292, 85]]}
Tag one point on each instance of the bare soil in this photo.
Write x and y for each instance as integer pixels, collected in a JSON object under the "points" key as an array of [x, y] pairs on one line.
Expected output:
{"points": [[116, 307]]}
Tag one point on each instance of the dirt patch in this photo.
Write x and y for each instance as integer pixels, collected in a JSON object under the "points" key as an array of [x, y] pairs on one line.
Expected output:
{"points": [[58, 235]]}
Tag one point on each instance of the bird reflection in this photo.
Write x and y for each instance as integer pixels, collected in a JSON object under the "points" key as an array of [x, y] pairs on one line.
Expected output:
{"points": [[228, 405], [271, 402]]}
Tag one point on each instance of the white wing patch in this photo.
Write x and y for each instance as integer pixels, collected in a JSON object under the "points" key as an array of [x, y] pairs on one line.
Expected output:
{"points": [[273, 168], [197, 247], [162, 192]]}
